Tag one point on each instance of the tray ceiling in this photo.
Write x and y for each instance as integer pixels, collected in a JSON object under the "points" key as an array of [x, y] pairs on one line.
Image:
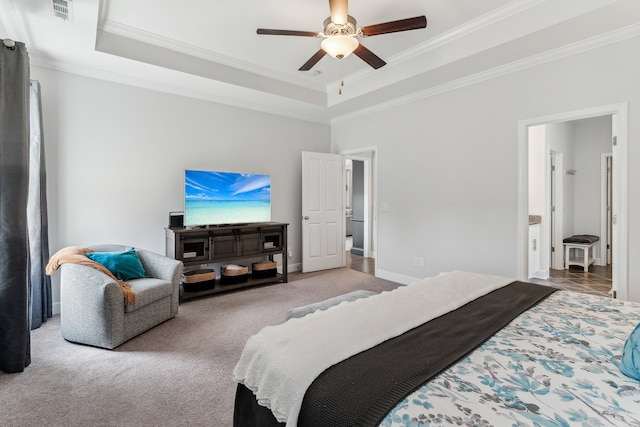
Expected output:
{"points": [[210, 49]]}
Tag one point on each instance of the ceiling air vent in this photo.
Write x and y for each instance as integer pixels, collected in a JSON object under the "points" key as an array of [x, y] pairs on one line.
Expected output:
{"points": [[62, 9]]}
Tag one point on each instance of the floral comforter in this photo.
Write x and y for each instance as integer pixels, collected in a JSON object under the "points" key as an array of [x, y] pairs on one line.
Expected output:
{"points": [[554, 365]]}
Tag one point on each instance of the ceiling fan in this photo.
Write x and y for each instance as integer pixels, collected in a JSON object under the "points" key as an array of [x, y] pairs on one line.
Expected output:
{"points": [[341, 35]]}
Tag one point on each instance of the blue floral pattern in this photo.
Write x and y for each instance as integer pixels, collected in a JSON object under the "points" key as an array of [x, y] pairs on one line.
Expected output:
{"points": [[555, 365]]}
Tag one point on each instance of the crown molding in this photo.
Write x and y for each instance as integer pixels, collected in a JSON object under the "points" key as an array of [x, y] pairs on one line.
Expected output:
{"points": [[395, 61], [145, 83], [553, 55], [575, 48], [450, 36], [277, 105], [486, 20], [129, 32]]}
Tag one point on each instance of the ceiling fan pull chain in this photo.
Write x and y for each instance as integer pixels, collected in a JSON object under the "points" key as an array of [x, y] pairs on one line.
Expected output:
{"points": [[341, 78]]}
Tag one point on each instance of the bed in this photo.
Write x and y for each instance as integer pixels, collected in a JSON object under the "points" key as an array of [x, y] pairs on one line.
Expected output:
{"points": [[501, 352]]}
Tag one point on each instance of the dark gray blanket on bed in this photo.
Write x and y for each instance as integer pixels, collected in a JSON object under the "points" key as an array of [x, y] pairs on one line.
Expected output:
{"points": [[361, 390]]}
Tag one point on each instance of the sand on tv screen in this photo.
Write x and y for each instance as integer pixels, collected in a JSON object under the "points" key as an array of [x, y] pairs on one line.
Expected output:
{"points": [[214, 198]]}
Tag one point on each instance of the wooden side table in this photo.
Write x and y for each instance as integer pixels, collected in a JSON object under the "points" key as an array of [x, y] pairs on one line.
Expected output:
{"points": [[584, 261]]}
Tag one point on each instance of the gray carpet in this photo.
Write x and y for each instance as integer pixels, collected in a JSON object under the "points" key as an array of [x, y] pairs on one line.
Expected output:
{"points": [[177, 374]]}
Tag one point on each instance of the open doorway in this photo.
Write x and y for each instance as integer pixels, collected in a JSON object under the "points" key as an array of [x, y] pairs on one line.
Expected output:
{"points": [[565, 197], [575, 215], [359, 210]]}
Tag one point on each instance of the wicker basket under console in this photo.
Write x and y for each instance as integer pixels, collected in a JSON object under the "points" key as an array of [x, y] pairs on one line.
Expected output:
{"points": [[198, 280], [232, 273], [264, 269]]}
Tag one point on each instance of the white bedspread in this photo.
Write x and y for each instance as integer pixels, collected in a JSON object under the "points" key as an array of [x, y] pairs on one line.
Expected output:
{"points": [[280, 362]]}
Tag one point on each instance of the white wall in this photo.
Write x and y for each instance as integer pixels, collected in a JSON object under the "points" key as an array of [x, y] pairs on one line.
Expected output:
{"points": [[537, 174], [448, 163], [116, 156]]}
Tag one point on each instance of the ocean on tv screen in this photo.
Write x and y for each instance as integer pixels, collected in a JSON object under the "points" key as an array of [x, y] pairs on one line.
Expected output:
{"points": [[226, 198], [209, 212]]}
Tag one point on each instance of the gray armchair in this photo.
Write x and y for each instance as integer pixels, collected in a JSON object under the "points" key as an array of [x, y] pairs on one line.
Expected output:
{"points": [[92, 307]]}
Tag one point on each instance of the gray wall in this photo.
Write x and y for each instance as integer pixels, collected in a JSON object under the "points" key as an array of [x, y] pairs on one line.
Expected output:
{"points": [[116, 157], [560, 138], [448, 163], [592, 139]]}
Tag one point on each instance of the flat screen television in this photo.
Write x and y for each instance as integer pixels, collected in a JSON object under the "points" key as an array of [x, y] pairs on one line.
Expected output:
{"points": [[220, 198]]}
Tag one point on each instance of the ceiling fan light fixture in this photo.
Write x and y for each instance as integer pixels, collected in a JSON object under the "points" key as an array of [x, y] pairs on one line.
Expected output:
{"points": [[340, 45]]}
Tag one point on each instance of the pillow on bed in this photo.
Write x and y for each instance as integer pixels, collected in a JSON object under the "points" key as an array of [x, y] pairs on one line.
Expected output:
{"points": [[124, 265], [630, 365]]}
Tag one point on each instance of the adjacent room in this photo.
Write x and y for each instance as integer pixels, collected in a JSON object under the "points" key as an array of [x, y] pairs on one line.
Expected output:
{"points": [[186, 187]]}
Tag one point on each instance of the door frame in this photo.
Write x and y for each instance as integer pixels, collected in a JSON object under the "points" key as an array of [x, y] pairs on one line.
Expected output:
{"points": [[555, 199], [620, 270], [605, 213]]}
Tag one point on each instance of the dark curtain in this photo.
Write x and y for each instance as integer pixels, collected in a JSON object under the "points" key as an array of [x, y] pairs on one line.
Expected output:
{"points": [[37, 219], [15, 341]]}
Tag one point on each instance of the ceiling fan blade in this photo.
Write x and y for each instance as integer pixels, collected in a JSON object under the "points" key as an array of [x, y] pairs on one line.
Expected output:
{"points": [[313, 60], [395, 26], [338, 11], [369, 57], [286, 32]]}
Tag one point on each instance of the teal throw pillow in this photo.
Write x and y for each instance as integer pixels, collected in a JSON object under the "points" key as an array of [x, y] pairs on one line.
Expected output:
{"points": [[630, 365], [124, 265]]}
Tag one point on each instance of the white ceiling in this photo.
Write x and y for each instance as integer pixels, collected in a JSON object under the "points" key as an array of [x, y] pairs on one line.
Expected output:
{"points": [[210, 49]]}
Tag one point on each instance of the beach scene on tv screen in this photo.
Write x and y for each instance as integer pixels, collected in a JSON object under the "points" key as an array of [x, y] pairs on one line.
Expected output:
{"points": [[226, 198]]}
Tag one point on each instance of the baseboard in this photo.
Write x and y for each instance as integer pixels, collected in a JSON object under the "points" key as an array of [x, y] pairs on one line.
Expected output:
{"points": [[395, 277], [55, 308], [294, 267], [541, 274]]}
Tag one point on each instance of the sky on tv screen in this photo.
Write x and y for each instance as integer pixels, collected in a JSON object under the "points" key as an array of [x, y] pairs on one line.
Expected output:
{"points": [[226, 197]]}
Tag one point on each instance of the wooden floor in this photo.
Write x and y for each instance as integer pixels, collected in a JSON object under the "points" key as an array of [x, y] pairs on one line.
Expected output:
{"points": [[360, 263], [596, 281]]}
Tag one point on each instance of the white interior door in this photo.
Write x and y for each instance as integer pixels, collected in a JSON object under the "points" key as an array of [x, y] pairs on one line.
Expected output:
{"points": [[609, 256], [606, 208], [322, 211], [557, 210]]}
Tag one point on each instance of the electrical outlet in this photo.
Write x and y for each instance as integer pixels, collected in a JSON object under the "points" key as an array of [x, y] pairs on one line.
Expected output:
{"points": [[421, 261], [415, 261]]}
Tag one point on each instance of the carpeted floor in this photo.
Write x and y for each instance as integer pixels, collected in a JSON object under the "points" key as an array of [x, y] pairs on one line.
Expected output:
{"points": [[177, 374]]}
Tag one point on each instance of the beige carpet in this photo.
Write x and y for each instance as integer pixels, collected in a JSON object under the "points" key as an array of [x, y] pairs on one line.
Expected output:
{"points": [[177, 374]]}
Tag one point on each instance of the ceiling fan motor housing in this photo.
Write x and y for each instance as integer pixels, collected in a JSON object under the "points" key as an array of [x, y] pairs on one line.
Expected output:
{"points": [[332, 29]]}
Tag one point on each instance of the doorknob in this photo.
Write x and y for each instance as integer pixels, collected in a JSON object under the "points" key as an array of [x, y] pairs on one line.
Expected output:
{"points": [[305, 217]]}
